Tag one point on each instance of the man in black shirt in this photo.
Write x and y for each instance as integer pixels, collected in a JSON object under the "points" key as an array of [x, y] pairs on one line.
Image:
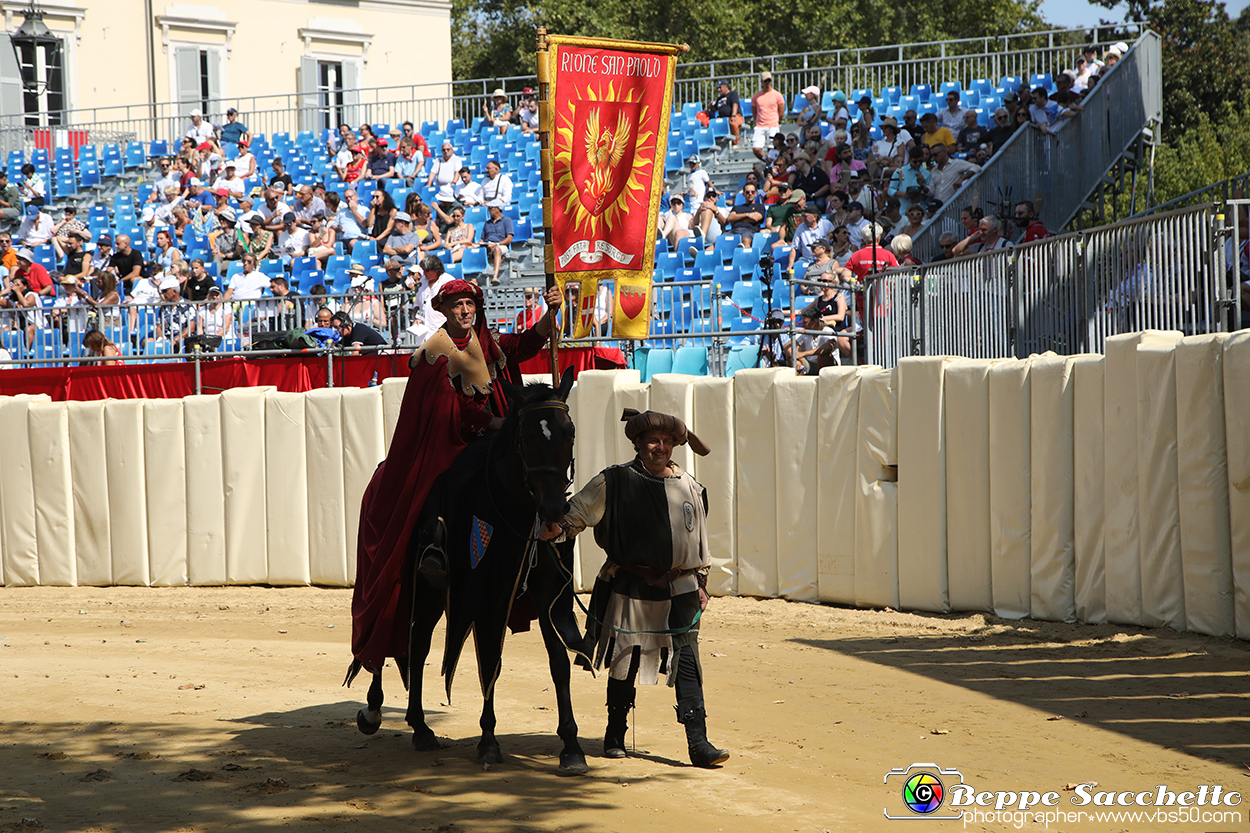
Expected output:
{"points": [[726, 106], [77, 261], [355, 335], [127, 262], [747, 215]]}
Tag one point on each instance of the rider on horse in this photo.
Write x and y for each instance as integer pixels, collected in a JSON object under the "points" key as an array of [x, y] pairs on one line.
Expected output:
{"points": [[452, 398]]}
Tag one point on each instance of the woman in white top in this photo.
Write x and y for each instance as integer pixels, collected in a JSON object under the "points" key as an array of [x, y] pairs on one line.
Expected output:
{"points": [[890, 151], [675, 223], [215, 317]]}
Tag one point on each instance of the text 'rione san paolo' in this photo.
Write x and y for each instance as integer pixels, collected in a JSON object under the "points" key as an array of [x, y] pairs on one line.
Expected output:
{"points": [[630, 66]]}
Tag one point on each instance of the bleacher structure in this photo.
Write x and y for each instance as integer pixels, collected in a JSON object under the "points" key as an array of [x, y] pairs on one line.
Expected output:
{"points": [[705, 299]]}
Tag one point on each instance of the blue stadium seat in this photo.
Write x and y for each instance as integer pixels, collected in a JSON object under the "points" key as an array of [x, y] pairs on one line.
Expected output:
{"points": [[741, 357], [159, 147], [725, 246], [667, 265], [15, 342], [971, 98], [522, 230], [892, 94], [922, 91], [691, 110], [947, 86], [859, 93], [982, 85], [691, 361], [659, 359], [474, 261], [1042, 80]]}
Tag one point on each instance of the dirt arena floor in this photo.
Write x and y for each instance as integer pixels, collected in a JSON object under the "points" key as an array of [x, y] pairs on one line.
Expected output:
{"points": [[136, 709]]}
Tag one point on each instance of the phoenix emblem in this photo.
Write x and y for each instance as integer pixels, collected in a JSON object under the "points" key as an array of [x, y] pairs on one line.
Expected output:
{"points": [[604, 151]]}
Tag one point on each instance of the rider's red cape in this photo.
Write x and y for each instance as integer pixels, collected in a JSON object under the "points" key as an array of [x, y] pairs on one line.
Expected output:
{"points": [[428, 437]]}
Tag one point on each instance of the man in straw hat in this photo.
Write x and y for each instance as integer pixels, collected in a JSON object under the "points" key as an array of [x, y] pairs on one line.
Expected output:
{"points": [[452, 398], [651, 518]]}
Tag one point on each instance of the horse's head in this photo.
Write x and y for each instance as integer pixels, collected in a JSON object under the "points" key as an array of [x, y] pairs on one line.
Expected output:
{"points": [[541, 430]]}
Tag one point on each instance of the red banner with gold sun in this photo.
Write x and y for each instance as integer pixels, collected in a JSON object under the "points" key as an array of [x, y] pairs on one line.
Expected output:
{"points": [[606, 117]]}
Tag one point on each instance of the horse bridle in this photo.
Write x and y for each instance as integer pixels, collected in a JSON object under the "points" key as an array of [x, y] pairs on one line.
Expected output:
{"points": [[552, 404]]}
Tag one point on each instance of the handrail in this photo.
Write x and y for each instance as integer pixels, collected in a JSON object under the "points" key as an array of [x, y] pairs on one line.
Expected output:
{"points": [[1227, 189]]}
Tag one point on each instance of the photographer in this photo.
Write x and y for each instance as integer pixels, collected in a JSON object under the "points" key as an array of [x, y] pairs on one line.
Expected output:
{"points": [[910, 183]]}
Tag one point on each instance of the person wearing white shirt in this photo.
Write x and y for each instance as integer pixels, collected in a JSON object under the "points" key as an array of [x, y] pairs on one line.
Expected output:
{"points": [[426, 320], [443, 172], [952, 115], [697, 180], [36, 229], [201, 129], [230, 181], [293, 241], [675, 224], [948, 174], [496, 186], [273, 209], [249, 284], [855, 223], [245, 162], [467, 191]]}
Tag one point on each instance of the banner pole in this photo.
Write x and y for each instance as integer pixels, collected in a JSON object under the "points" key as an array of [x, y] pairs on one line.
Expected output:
{"points": [[544, 137]]}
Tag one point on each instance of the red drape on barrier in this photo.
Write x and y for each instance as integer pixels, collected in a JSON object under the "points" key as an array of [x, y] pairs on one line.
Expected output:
{"points": [[171, 380]]}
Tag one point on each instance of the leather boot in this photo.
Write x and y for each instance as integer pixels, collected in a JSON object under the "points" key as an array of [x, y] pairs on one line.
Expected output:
{"points": [[620, 701], [433, 565], [690, 713]]}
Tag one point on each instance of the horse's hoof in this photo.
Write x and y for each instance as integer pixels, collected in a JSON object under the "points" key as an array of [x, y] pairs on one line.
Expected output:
{"points": [[573, 763], [365, 725], [489, 754], [424, 740]]}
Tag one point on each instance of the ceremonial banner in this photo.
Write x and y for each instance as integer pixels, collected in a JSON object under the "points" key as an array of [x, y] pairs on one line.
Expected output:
{"points": [[606, 116]]}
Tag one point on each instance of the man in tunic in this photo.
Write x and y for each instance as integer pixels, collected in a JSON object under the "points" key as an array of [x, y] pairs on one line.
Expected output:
{"points": [[651, 518]]}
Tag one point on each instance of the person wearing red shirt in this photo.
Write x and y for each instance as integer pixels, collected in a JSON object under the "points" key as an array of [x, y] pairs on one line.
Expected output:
{"points": [[38, 278], [1026, 218], [869, 260]]}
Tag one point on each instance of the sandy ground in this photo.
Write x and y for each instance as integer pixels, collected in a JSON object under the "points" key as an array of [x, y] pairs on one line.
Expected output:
{"points": [[133, 709]]}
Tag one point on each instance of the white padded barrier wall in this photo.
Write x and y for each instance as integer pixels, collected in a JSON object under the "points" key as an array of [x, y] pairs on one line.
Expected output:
{"points": [[1052, 574], [795, 448], [206, 496], [876, 500], [626, 393], [597, 427], [20, 550], [123, 423], [673, 393], [243, 477], [1202, 484], [922, 549], [48, 424], [392, 400], [966, 388], [1088, 487], [89, 478], [756, 486], [1121, 550], [714, 423], [331, 546], [837, 482], [363, 448], [1237, 434], [164, 452], [286, 489], [1010, 484], [1158, 499]]}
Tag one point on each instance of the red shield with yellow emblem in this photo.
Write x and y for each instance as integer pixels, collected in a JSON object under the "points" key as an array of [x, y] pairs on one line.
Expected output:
{"points": [[603, 151]]}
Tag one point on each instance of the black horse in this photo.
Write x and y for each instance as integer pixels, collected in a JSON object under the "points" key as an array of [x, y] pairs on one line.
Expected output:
{"points": [[484, 513]]}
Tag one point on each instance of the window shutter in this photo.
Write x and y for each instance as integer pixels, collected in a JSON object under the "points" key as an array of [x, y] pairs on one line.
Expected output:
{"points": [[351, 91], [215, 106], [187, 64], [308, 98]]}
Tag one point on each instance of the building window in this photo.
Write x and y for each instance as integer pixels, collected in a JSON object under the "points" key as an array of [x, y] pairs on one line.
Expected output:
{"points": [[43, 79], [329, 94], [198, 82]]}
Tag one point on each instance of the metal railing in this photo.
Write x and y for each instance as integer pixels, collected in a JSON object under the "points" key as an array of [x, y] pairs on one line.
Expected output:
{"points": [[1064, 294], [877, 67], [1235, 187], [1058, 170]]}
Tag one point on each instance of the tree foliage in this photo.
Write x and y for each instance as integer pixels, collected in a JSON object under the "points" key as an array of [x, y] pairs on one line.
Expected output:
{"points": [[495, 38]]}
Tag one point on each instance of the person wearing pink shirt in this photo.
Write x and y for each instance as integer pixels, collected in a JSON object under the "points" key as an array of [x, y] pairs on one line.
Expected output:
{"points": [[767, 107]]}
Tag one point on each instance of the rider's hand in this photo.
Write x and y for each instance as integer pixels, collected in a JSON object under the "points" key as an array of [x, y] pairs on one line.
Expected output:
{"points": [[554, 299], [549, 531]]}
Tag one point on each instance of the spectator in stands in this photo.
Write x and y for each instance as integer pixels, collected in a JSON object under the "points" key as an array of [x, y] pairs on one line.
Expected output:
{"points": [[784, 217], [443, 172], [936, 134], [354, 334], [426, 229], [379, 165], [1087, 73], [197, 285], [1044, 112], [747, 216], [820, 264], [900, 245], [285, 311], [234, 131], [841, 166], [498, 110], [987, 238], [890, 151], [177, 317], [249, 284], [36, 229], [948, 175], [466, 191], [911, 126], [293, 240], [382, 213], [101, 253], [727, 105], [952, 115], [344, 139], [227, 243], [1065, 95], [409, 162], [69, 226], [20, 303], [10, 200], [273, 209], [356, 167], [809, 353], [840, 248], [496, 237], [281, 180], [166, 254], [127, 262], [1027, 219], [855, 223], [351, 220], [77, 259], [201, 130], [910, 184], [810, 115], [675, 224], [408, 131], [533, 310], [767, 107], [814, 227], [972, 134], [813, 181], [970, 218], [867, 113], [697, 180], [403, 243], [998, 135], [260, 240], [496, 186], [307, 205], [95, 343], [244, 161], [1022, 118], [215, 318], [321, 240], [165, 177], [459, 235], [34, 189], [8, 255], [709, 219], [230, 181], [426, 320]]}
